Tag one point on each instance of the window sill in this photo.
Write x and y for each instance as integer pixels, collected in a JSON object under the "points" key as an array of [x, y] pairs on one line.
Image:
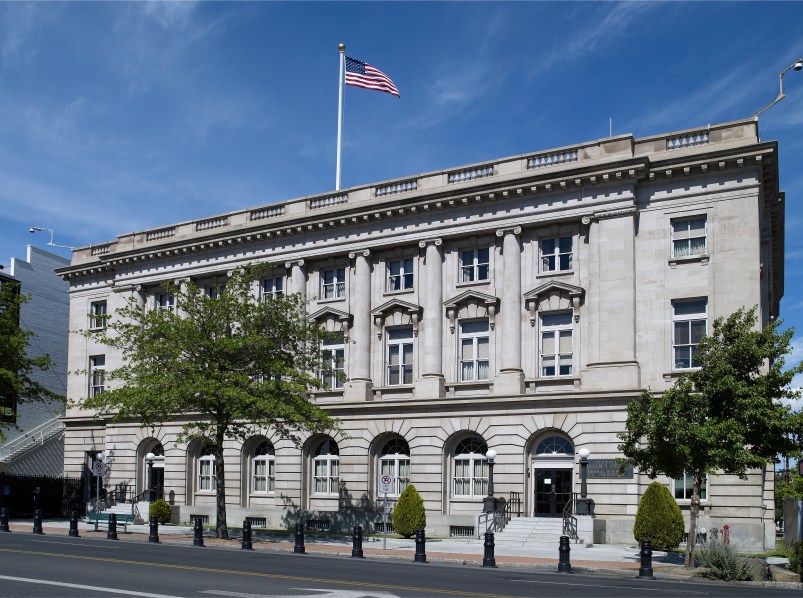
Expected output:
{"points": [[325, 496], [332, 299], [470, 383], [554, 273], [399, 292], [474, 283], [262, 494], [702, 258], [675, 374]]}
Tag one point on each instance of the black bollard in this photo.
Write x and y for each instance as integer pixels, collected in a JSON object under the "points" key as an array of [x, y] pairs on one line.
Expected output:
{"points": [[356, 549], [246, 545], [488, 560], [153, 537], [112, 534], [4, 520], [37, 521], [73, 533], [420, 547], [198, 529], [299, 547], [646, 559], [564, 565]]}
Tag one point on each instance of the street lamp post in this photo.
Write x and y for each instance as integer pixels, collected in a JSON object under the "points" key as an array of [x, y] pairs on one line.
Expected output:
{"points": [[489, 502], [583, 503], [98, 457], [149, 458], [798, 66]]}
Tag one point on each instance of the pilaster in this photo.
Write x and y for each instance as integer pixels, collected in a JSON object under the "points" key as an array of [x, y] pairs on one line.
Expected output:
{"points": [[430, 291], [359, 387], [511, 375]]}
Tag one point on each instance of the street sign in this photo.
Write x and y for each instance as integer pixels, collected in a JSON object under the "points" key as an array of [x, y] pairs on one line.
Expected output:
{"points": [[98, 468], [385, 484]]}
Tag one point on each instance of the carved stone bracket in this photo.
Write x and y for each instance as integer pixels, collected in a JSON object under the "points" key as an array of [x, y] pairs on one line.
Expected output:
{"points": [[568, 297], [411, 310], [453, 307]]}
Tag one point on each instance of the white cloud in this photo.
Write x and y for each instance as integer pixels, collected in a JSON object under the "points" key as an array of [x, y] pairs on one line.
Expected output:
{"points": [[170, 14]]}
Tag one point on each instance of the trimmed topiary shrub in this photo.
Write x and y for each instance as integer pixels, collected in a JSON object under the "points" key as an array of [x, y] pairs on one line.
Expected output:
{"points": [[658, 518], [409, 516], [161, 510]]}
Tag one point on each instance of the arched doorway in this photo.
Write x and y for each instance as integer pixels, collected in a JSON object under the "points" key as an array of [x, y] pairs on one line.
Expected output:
{"points": [[553, 462], [154, 473]]}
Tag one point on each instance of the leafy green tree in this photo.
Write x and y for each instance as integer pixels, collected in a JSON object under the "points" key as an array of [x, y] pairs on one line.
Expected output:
{"points": [[409, 516], [658, 518], [791, 487], [17, 368], [236, 363], [725, 417]]}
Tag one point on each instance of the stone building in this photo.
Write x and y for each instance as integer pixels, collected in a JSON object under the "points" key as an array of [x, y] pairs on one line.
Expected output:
{"points": [[516, 305]]}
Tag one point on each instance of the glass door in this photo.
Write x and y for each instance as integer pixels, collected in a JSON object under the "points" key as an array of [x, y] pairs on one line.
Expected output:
{"points": [[553, 489]]}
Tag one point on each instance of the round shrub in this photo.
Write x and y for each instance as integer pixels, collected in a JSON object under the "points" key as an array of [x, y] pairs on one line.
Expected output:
{"points": [[161, 510], [409, 516], [658, 518]]}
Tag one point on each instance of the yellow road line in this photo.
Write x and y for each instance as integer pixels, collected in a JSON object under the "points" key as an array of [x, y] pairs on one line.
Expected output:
{"points": [[252, 573]]}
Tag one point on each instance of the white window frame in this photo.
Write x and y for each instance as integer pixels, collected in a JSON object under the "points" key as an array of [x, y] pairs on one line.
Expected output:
{"points": [[399, 343], [395, 462], [263, 469], [686, 239], [551, 259], [475, 362], [555, 331], [333, 283], [206, 478], [333, 354], [98, 314], [271, 287], [687, 321], [97, 375], [687, 489], [475, 264], [326, 469], [164, 302], [465, 481], [400, 275]]}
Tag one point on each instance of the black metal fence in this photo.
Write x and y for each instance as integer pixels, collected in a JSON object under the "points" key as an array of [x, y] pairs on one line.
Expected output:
{"points": [[57, 496]]}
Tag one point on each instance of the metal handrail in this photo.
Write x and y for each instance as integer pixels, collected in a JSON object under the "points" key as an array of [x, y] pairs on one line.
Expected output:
{"points": [[37, 435], [497, 520], [569, 520]]}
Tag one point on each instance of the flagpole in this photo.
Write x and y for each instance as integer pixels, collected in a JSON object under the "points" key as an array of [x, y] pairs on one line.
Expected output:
{"points": [[342, 76]]}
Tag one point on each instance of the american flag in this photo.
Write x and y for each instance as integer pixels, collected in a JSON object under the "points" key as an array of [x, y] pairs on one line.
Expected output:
{"points": [[360, 74]]}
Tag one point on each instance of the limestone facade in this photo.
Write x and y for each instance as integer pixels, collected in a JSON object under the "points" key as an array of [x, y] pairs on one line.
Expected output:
{"points": [[516, 305]]}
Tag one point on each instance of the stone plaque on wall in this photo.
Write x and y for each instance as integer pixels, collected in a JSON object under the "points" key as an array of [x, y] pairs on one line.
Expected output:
{"points": [[608, 468]]}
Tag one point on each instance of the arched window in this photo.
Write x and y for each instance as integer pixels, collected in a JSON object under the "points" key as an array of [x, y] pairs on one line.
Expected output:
{"points": [[263, 473], [471, 467], [395, 462], [554, 445], [326, 467], [207, 470]]}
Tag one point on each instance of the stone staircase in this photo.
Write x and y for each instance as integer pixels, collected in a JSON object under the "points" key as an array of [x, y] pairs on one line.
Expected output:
{"points": [[30, 440], [540, 531]]}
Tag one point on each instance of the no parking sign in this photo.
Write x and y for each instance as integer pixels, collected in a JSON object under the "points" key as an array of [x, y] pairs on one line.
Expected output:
{"points": [[385, 484]]}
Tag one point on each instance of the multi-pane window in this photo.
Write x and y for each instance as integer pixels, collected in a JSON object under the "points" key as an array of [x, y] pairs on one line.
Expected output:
{"points": [[400, 275], [97, 374], [474, 350], [684, 487], [400, 356], [97, 314], [474, 264], [395, 462], [556, 344], [263, 478], [333, 355], [556, 254], [206, 470], [215, 291], [333, 283], [164, 302], [688, 237], [272, 287], [471, 468], [688, 327], [326, 467]]}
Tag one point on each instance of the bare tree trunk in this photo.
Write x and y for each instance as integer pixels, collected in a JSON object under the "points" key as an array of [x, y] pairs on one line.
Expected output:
{"points": [[694, 511], [221, 529]]}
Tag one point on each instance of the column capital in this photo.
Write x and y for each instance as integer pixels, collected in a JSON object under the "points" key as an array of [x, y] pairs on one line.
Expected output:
{"points": [[597, 216], [437, 242], [291, 263], [361, 252], [513, 230]]}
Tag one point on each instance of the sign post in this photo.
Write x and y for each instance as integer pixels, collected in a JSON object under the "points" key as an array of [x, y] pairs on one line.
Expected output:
{"points": [[385, 486], [98, 469]]}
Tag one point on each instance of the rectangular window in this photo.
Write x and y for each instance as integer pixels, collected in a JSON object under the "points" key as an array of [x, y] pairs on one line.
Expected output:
{"points": [[215, 291], [688, 327], [327, 476], [164, 302], [207, 481], [474, 264], [333, 354], [474, 351], [272, 288], [333, 283], [400, 356], [688, 237], [97, 375], [264, 476], [556, 254], [684, 488], [97, 314], [400, 275], [556, 344]]}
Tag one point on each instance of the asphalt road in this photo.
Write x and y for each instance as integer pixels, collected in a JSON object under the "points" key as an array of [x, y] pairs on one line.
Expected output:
{"points": [[45, 566]]}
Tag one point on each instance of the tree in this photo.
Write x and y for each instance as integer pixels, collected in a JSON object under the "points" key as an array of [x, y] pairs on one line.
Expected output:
{"points": [[16, 367], [658, 518], [237, 362], [725, 417], [409, 516]]}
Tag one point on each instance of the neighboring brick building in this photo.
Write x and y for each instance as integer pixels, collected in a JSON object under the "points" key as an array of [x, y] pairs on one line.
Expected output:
{"points": [[516, 305]]}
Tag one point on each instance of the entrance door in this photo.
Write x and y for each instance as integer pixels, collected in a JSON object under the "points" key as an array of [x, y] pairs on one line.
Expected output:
{"points": [[553, 489]]}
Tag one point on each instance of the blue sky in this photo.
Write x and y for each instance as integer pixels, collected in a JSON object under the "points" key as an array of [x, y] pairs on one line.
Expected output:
{"points": [[122, 116]]}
